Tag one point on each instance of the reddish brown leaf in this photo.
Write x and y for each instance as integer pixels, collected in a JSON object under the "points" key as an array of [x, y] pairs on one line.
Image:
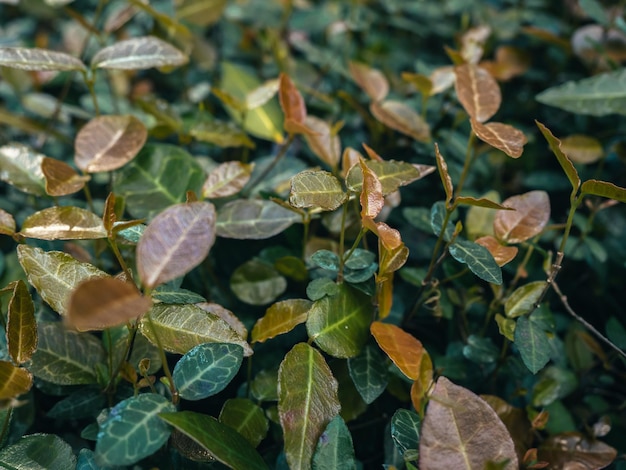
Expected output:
{"points": [[370, 80], [372, 153], [501, 136], [515, 420], [501, 253], [398, 116], [349, 158], [477, 91], [61, 179], [372, 200], [575, 451], [322, 141], [109, 216], [404, 350], [227, 179], [292, 103], [531, 214], [473, 43], [393, 253]]}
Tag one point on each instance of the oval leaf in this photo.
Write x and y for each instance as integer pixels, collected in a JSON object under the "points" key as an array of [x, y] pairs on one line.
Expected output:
{"points": [[24, 58], [322, 141], [14, 381], [604, 189], [477, 91], [63, 223], [582, 148], [478, 259], [61, 179], [563, 449], [369, 373], [315, 188], [21, 167], [253, 219], [335, 449], [531, 214], [532, 343], [246, 418], [502, 254], [404, 350], [370, 80], [21, 327], [501, 136], [400, 117], [138, 54], [523, 299], [291, 102], [444, 174], [405, 432], [257, 283], [38, 452], [227, 179], [7, 223], [280, 318]]}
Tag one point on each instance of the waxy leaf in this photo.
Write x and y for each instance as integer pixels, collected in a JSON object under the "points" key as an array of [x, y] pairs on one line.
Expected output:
{"points": [[61, 179], [226, 315], [563, 449], [322, 141], [65, 357], [523, 300], [442, 167], [38, 452], [461, 431], [531, 214], [181, 327], [138, 54], [371, 198], [316, 188], [405, 432], [175, 242], [307, 402], [339, 323], [370, 80], [14, 381], [501, 136], [55, 274], [100, 303], [502, 254], [223, 443], [226, 179], [246, 418], [86, 402], [604, 189], [369, 373], [257, 283], [391, 174], [292, 104], [478, 259], [532, 343], [403, 349], [7, 223], [556, 147], [254, 219], [63, 223], [21, 327], [24, 58], [108, 142], [20, 166], [281, 317], [335, 450], [477, 91], [400, 117], [133, 420]]}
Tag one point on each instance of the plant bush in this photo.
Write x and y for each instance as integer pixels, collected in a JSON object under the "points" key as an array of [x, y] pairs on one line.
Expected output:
{"points": [[263, 234]]}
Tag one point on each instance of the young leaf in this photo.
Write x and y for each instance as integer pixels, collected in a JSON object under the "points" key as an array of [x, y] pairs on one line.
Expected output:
{"points": [[38, 452], [400, 117], [531, 214], [207, 369], [480, 202], [100, 303], [442, 166], [307, 402], [280, 318], [138, 54], [21, 167], [257, 283], [253, 219], [372, 199], [335, 450], [370, 80], [532, 343], [21, 327], [246, 418], [564, 161], [502, 254], [223, 443], [24, 58], [369, 374], [523, 299], [477, 91], [61, 179], [403, 349], [63, 223], [478, 259], [405, 432], [604, 189], [175, 242], [14, 381], [133, 420], [55, 274], [316, 188], [501, 136], [562, 449], [437, 218], [227, 179], [292, 104], [461, 431], [391, 174], [322, 141], [108, 142], [7, 223], [339, 323]]}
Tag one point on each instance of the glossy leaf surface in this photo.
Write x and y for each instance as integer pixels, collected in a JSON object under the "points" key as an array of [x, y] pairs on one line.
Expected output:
{"points": [[137, 54], [280, 318], [245, 417], [391, 174], [477, 91], [501, 136], [61, 179], [523, 299], [405, 432], [38, 452], [314, 188], [24, 58], [14, 381], [502, 254], [369, 374], [63, 223], [253, 219], [604, 189], [403, 349], [335, 450], [532, 343], [531, 214], [21, 327], [20, 166], [226, 179], [478, 259]]}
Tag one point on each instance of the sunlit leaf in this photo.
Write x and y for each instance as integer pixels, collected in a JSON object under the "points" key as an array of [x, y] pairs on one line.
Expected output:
{"points": [[292, 104], [335, 450], [556, 146], [478, 259], [480, 202], [181, 327], [245, 417], [222, 134], [477, 91], [502, 254], [442, 166], [604, 189], [371, 198], [61, 179], [200, 12], [405, 432], [280, 318], [133, 420], [501, 136], [63, 223], [226, 315], [262, 94], [316, 188], [582, 148], [392, 259], [423, 83], [531, 214], [369, 373], [108, 142], [403, 349], [138, 54], [400, 117], [391, 174], [7, 223], [227, 179], [20, 166], [14, 381], [101, 303], [38, 452], [523, 300], [322, 141], [473, 43], [370, 80], [253, 219], [38, 59], [257, 283], [461, 431], [21, 327], [532, 343], [442, 78], [223, 443], [563, 449], [307, 402], [339, 323], [55, 274]]}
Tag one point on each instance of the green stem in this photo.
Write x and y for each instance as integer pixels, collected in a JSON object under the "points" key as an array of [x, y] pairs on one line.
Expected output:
{"points": [[166, 368], [434, 258], [90, 82], [120, 259], [281, 153], [306, 222], [5, 425], [574, 203], [342, 240], [469, 156]]}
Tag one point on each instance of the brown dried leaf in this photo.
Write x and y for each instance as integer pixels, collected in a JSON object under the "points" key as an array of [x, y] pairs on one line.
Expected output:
{"points": [[292, 104], [227, 179], [398, 116], [573, 451], [61, 179], [7, 223], [531, 214], [108, 142], [372, 199], [501, 136], [322, 141], [477, 91], [501, 253], [582, 148], [63, 223], [370, 80], [461, 431]]}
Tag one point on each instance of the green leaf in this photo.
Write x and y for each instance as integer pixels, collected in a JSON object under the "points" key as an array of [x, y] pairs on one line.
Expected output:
{"points": [[480, 202], [254, 219], [86, 460], [326, 259], [391, 174], [321, 287], [21, 328], [478, 260], [564, 161], [598, 95], [224, 443], [63, 223], [335, 450], [134, 420], [55, 274], [24, 58], [307, 401], [200, 12], [360, 259], [316, 188], [356, 276], [280, 318], [65, 357], [481, 350], [246, 418], [437, 216], [222, 134], [21, 167], [87, 402], [158, 177], [595, 10], [532, 343], [339, 324], [616, 332], [405, 432], [369, 373], [257, 283], [207, 369], [523, 299], [169, 294], [138, 54], [38, 452], [604, 189]]}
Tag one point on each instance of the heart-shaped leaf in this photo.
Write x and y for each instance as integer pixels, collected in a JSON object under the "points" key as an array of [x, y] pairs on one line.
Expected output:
{"points": [[477, 91], [501, 136], [531, 214], [137, 54], [38, 59]]}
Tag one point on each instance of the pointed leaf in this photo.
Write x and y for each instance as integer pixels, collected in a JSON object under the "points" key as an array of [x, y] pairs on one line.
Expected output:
{"points": [[478, 259], [108, 142], [477, 91], [502, 254], [531, 214], [181, 327], [564, 448], [604, 189], [437, 218], [400, 117], [405, 432], [564, 161], [61, 179], [392, 259], [175, 242], [370, 80], [20, 166], [523, 300], [21, 327], [532, 343], [226, 315], [55, 274], [227, 179], [63, 223], [481, 202], [335, 450], [442, 166], [253, 219], [461, 431], [371, 198], [307, 401], [315, 188], [257, 283], [133, 420], [262, 94], [369, 373], [281, 317], [38, 452], [246, 418], [7, 223], [404, 350], [391, 174], [291, 102], [138, 54], [14, 381], [339, 323], [223, 443], [24, 58], [501, 136], [322, 141]]}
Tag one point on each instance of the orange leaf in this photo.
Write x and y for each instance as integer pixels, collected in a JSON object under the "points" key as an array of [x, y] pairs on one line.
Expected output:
{"points": [[422, 384], [510, 62], [531, 214], [403, 349], [384, 295], [372, 153], [349, 158], [400, 117], [477, 91], [372, 199], [501, 136], [370, 80], [291, 102], [501, 253]]}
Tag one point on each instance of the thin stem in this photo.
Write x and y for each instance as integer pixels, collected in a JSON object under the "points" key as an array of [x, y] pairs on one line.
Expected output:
{"points": [[281, 153], [88, 197], [89, 81], [435, 258], [306, 222], [575, 202], [342, 240], [166, 367], [5, 425], [469, 156], [120, 259]]}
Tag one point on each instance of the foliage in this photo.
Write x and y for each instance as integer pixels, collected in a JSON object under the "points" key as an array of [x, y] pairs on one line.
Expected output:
{"points": [[223, 241]]}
